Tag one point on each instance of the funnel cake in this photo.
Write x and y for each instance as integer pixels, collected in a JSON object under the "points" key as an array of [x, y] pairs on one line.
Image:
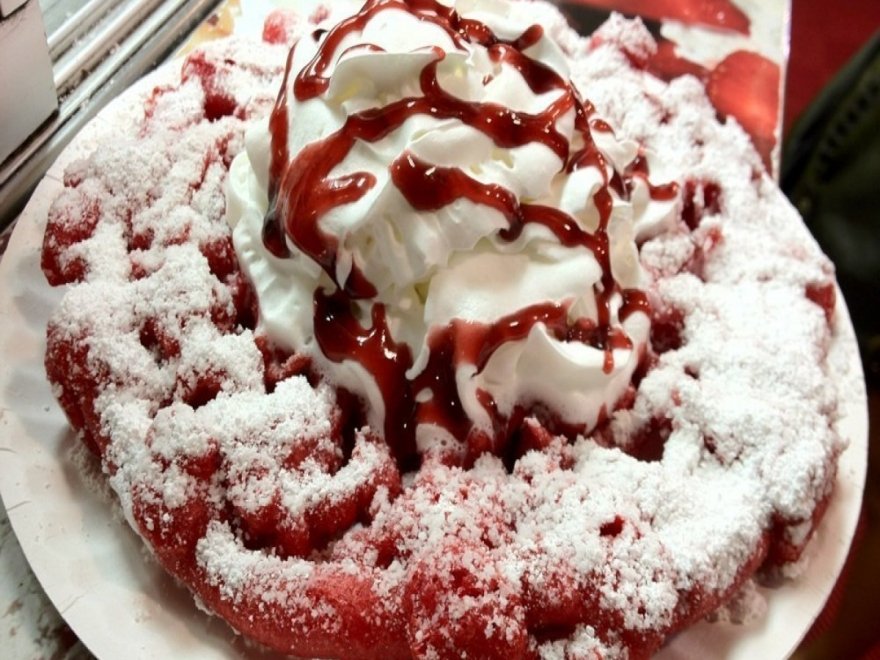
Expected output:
{"points": [[271, 487]]}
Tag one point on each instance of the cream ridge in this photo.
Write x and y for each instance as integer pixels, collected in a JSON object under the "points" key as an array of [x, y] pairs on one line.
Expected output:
{"points": [[434, 267]]}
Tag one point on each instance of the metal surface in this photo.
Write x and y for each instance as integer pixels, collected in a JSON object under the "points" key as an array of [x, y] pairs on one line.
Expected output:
{"points": [[120, 22], [75, 23]]}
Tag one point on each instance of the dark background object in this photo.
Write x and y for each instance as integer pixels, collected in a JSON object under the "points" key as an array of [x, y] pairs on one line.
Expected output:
{"points": [[831, 170], [831, 173]]}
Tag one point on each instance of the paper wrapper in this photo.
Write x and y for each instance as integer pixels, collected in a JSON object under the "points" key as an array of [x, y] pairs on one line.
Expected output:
{"points": [[738, 49]]}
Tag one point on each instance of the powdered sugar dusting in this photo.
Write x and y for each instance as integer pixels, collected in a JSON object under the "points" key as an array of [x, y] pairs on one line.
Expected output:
{"points": [[296, 525]]}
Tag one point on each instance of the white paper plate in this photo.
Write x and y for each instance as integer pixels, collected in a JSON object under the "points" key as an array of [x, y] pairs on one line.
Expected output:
{"points": [[121, 604]]}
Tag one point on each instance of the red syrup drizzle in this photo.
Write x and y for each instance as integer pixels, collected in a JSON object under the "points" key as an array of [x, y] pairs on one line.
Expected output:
{"points": [[301, 192], [341, 337], [638, 168], [273, 236]]}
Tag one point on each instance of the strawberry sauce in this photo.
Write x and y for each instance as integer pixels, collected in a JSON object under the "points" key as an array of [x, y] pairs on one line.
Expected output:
{"points": [[302, 191]]}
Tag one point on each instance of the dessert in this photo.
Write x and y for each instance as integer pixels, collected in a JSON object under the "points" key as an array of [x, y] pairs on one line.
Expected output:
{"points": [[491, 361], [485, 231]]}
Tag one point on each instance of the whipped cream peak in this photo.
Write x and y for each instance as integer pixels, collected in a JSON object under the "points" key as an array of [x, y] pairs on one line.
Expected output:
{"points": [[434, 215]]}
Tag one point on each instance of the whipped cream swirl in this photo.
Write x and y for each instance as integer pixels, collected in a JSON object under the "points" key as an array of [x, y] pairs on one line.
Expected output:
{"points": [[435, 217]]}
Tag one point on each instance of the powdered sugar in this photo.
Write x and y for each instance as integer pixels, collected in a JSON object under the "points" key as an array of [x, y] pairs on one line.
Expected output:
{"points": [[171, 387], [583, 643]]}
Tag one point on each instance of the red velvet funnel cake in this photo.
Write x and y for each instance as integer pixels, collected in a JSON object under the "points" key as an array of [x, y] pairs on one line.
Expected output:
{"points": [[445, 333]]}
